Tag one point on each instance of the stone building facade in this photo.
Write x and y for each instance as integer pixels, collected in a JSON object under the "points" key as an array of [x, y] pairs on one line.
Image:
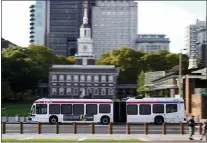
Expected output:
{"points": [[77, 81]]}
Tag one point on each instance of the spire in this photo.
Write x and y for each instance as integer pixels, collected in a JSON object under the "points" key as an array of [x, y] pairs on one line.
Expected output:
{"points": [[85, 17]]}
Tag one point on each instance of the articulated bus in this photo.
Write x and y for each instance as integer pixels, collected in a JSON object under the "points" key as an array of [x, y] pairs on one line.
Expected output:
{"points": [[104, 111]]}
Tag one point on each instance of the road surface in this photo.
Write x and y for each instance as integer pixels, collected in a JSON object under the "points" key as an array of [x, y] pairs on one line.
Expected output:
{"points": [[99, 129]]}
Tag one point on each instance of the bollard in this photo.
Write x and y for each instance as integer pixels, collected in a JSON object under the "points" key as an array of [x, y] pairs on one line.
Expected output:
{"points": [[92, 128], [164, 128], [145, 128], [39, 127], [181, 128], [127, 128], [110, 128], [21, 128], [57, 128], [200, 128], [74, 128], [4, 128]]}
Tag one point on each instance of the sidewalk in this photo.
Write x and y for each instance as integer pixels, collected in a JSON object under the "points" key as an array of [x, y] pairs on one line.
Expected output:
{"points": [[82, 137]]}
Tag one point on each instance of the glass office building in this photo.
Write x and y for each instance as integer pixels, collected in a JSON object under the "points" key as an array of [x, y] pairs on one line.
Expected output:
{"points": [[64, 19]]}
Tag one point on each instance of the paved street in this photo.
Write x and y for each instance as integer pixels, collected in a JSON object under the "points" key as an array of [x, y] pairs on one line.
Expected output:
{"points": [[99, 129]]}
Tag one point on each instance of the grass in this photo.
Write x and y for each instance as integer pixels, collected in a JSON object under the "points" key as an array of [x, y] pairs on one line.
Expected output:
{"points": [[70, 140], [12, 109]]}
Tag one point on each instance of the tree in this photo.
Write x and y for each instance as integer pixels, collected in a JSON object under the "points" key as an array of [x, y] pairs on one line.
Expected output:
{"points": [[24, 68], [132, 62], [141, 82]]}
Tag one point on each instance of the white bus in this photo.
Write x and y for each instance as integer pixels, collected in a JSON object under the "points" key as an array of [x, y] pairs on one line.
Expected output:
{"points": [[155, 110], [72, 110]]}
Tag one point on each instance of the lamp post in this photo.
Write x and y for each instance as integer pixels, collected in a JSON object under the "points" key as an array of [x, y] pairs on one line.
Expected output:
{"points": [[180, 74]]}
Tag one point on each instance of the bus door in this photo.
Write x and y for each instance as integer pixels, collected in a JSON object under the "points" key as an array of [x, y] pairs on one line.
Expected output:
{"points": [[144, 113]]}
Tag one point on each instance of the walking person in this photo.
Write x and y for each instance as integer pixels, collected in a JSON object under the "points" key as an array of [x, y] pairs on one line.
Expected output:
{"points": [[191, 124], [204, 131]]}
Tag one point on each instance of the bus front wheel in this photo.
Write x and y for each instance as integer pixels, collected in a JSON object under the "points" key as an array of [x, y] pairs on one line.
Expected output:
{"points": [[105, 120], [159, 120], [53, 119]]}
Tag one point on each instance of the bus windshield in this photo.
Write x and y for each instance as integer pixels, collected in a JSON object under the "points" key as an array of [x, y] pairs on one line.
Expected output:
{"points": [[33, 109]]}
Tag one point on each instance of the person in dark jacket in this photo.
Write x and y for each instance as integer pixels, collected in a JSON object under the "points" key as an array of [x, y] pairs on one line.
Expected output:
{"points": [[204, 131], [191, 124]]}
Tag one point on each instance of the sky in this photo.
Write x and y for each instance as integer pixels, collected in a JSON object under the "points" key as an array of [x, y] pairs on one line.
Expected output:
{"points": [[154, 17]]}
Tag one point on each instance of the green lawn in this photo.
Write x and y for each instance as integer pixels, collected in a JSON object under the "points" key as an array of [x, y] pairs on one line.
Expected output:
{"points": [[12, 109], [70, 140]]}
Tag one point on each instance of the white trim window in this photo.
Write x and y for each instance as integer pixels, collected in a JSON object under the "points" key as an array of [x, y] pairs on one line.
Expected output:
{"points": [[111, 78], [96, 91], [54, 91], [111, 91], [54, 77], [103, 78], [82, 78], [76, 78], [75, 91], [96, 78], [103, 91], [61, 77], [68, 78], [89, 78], [89, 90], [61, 91], [68, 91]]}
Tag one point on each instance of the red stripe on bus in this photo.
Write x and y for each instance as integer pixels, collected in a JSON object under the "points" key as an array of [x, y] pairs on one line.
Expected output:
{"points": [[143, 102], [78, 102]]}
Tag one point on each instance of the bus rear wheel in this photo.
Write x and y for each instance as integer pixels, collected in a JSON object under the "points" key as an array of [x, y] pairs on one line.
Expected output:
{"points": [[53, 119], [159, 120], [105, 120]]}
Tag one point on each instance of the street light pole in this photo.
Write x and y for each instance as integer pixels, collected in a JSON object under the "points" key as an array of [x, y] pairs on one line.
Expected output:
{"points": [[180, 74]]}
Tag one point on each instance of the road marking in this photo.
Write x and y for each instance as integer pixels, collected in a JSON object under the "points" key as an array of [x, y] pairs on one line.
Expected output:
{"points": [[143, 139]]}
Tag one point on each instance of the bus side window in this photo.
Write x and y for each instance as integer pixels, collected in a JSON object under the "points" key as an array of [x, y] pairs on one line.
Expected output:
{"points": [[66, 109], [78, 109], [132, 109], [171, 108], [158, 108], [54, 108], [91, 109], [104, 108], [144, 109]]}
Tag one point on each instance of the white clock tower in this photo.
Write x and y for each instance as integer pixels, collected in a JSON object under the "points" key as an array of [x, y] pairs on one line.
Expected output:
{"points": [[84, 55]]}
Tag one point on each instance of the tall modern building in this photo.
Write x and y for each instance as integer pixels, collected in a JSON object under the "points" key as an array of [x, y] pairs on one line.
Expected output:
{"points": [[202, 47], [58, 22], [191, 36], [152, 42], [114, 24], [32, 24]]}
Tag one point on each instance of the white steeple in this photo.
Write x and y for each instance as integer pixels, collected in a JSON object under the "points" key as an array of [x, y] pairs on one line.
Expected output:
{"points": [[85, 42], [85, 15]]}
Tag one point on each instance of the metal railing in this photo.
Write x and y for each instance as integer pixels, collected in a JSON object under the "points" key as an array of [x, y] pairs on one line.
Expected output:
{"points": [[110, 127]]}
